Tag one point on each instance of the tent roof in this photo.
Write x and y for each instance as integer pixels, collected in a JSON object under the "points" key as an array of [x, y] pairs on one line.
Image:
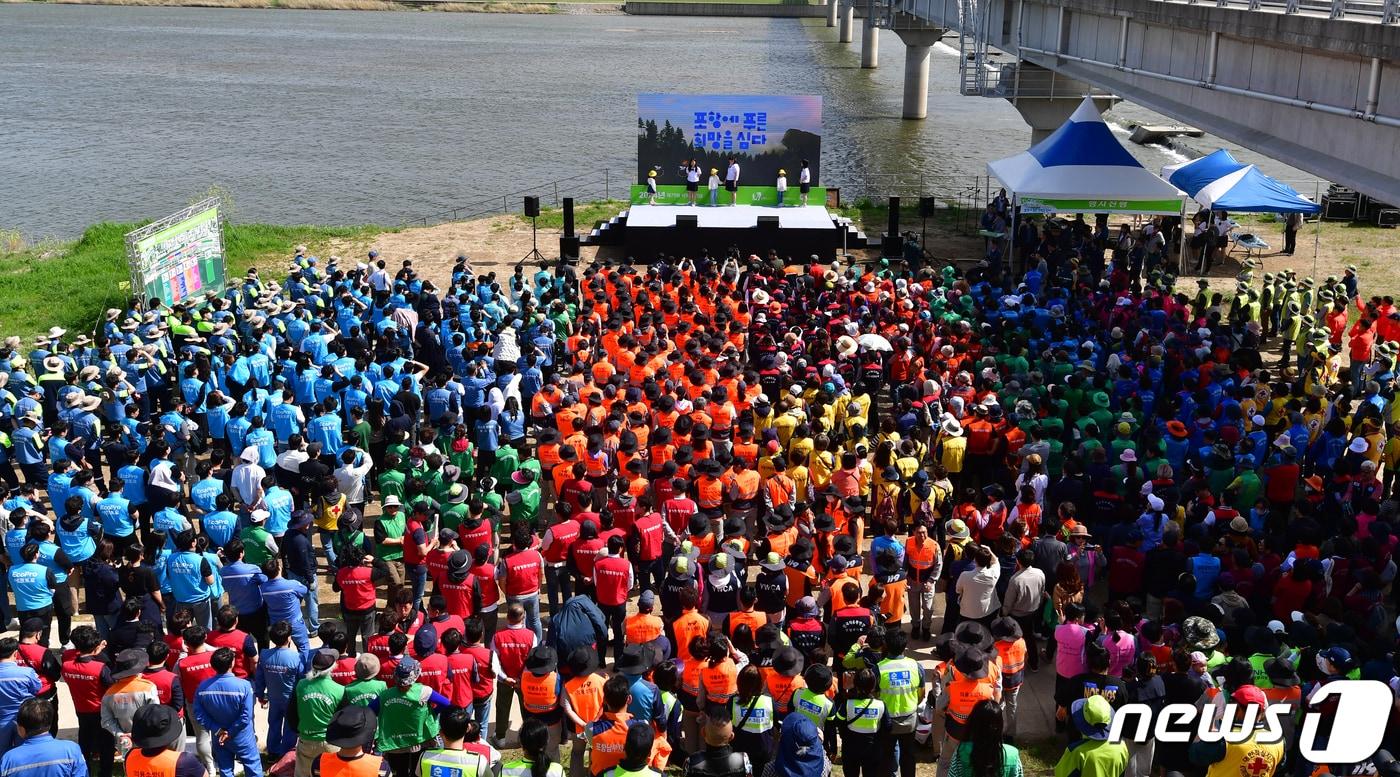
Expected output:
{"points": [[1219, 181], [1082, 166]]}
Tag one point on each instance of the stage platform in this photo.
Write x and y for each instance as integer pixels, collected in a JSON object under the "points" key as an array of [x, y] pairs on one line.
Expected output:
{"points": [[683, 230]]}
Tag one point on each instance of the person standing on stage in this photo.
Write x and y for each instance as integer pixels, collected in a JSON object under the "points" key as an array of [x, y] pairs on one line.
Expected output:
{"points": [[651, 188], [782, 186], [714, 186], [692, 180], [804, 181], [731, 181]]}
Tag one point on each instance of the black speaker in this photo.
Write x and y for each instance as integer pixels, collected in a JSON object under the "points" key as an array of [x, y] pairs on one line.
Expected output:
{"points": [[688, 220], [568, 217], [1387, 217], [532, 206], [768, 223], [928, 207], [568, 247], [894, 216]]}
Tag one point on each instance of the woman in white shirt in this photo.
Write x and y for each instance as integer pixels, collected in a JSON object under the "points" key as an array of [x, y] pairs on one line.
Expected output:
{"points": [[692, 180], [804, 181]]}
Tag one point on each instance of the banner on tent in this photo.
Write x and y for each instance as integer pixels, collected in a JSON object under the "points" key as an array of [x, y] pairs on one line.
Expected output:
{"points": [[1046, 205]]}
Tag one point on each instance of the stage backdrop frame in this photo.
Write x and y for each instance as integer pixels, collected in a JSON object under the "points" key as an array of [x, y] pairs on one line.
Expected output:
{"points": [[180, 256], [764, 133]]}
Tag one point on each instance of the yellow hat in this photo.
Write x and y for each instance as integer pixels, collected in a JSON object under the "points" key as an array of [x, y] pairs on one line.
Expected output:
{"points": [[714, 170], [782, 172], [651, 174]]}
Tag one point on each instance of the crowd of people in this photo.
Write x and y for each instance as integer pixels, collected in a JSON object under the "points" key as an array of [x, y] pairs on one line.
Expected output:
{"points": [[818, 513]]}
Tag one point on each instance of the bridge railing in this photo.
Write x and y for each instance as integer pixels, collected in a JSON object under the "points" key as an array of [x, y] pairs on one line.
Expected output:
{"points": [[1384, 11]]}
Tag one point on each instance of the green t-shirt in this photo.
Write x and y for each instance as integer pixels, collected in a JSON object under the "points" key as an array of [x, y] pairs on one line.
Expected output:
{"points": [[361, 692], [255, 539], [1010, 760], [317, 700], [1093, 758]]}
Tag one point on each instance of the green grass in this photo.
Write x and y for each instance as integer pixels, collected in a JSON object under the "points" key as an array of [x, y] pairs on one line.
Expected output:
{"points": [[70, 284], [585, 214], [1039, 757]]}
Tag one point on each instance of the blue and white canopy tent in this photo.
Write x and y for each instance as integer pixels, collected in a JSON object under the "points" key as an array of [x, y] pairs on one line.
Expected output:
{"points": [[1220, 182], [1082, 168]]}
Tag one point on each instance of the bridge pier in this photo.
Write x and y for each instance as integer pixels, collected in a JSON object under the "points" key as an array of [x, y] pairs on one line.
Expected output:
{"points": [[869, 42], [848, 21], [918, 44], [833, 7]]}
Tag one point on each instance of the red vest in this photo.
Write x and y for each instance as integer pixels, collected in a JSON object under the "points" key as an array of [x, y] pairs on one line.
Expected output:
{"points": [[651, 535], [434, 673], [484, 682], [563, 535], [194, 669], [344, 670], [437, 565], [470, 539], [461, 667], [485, 576], [83, 677], [164, 681], [379, 646], [512, 645], [586, 553], [524, 569], [411, 555], [678, 512], [32, 655], [623, 517], [458, 596], [446, 624], [233, 640], [356, 587], [611, 578]]}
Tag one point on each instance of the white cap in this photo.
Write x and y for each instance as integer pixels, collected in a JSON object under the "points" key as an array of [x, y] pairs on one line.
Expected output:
{"points": [[1277, 627], [1257, 420], [258, 516], [1155, 502]]}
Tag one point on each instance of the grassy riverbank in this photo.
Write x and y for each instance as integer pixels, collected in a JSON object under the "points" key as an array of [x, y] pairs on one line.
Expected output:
{"points": [[70, 284]]}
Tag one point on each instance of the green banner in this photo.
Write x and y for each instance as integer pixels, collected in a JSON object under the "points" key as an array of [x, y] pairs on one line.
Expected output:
{"points": [[182, 260], [1046, 205], [675, 194]]}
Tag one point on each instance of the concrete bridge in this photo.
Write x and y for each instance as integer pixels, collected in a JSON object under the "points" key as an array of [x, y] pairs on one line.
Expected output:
{"points": [[1315, 83]]}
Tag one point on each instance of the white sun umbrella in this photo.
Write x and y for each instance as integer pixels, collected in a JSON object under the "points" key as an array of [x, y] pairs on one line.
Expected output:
{"points": [[875, 342]]}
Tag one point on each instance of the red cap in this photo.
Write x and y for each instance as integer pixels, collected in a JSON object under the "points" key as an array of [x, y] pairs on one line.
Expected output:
{"points": [[1250, 694]]}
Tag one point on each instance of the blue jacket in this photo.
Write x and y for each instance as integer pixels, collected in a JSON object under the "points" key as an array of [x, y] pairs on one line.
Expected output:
{"points": [[225, 703], [243, 582], [283, 598], [277, 674], [17, 685], [43, 756]]}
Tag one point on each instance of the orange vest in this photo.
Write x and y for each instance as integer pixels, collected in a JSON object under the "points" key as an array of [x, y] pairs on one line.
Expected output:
{"points": [[690, 678], [746, 485], [705, 545], [780, 488], [781, 688], [689, 626], [334, 766], [921, 557], [539, 693], [641, 628], [162, 764], [721, 681], [754, 620], [781, 542], [586, 696], [1011, 659], [963, 695], [606, 747], [710, 492]]}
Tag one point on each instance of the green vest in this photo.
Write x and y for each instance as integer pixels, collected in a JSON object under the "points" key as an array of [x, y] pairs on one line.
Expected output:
{"points": [[317, 700], [405, 719], [390, 526], [618, 771], [255, 545], [453, 515], [452, 763], [522, 768], [756, 717], [814, 705], [900, 684], [361, 692], [391, 484], [863, 716]]}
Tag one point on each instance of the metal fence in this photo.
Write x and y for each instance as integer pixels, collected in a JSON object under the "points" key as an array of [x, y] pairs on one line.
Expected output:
{"points": [[584, 187], [1384, 11]]}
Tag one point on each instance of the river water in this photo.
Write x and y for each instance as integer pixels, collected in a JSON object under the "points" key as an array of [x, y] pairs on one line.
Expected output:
{"points": [[346, 117]]}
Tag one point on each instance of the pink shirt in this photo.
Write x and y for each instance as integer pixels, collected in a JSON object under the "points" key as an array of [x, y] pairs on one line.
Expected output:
{"points": [[1069, 650]]}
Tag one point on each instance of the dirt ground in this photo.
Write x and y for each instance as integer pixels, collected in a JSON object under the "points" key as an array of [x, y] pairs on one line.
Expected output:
{"points": [[499, 242]]}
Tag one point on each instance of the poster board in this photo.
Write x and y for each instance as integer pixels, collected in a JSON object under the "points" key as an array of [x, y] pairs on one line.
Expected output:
{"points": [[762, 133], [180, 256]]}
